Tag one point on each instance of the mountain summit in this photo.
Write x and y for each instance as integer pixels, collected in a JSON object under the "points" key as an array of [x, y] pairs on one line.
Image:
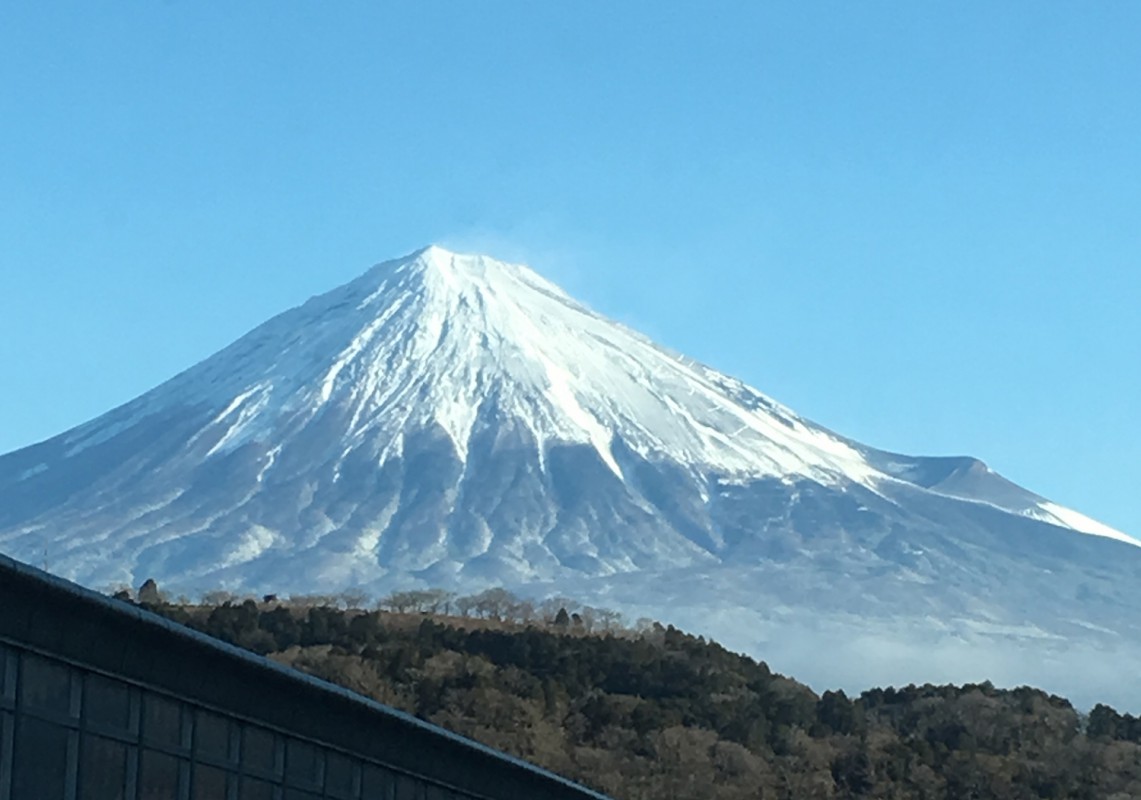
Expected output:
{"points": [[455, 421]]}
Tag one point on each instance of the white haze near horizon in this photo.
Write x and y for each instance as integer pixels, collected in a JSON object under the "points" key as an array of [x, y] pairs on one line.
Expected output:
{"points": [[860, 655]]}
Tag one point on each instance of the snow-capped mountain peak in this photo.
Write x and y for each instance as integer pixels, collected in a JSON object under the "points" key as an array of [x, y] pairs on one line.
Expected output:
{"points": [[456, 421], [439, 337]]}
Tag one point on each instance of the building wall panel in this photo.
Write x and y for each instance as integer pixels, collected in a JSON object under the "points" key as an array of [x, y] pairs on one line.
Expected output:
{"points": [[102, 701]]}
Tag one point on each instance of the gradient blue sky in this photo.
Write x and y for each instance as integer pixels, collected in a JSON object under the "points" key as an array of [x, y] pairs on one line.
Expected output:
{"points": [[917, 223]]}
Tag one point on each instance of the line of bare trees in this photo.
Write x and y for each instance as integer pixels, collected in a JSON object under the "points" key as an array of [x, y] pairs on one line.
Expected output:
{"points": [[496, 604], [500, 605]]}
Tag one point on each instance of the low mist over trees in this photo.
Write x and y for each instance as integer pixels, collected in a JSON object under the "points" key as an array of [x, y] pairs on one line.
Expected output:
{"points": [[652, 712]]}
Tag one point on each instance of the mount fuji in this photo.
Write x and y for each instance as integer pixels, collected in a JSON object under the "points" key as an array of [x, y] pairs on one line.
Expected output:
{"points": [[453, 421]]}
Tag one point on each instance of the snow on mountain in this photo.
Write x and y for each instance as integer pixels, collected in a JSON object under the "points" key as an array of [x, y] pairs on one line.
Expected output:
{"points": [[432, 339], [451, 420], [1074, 520]]}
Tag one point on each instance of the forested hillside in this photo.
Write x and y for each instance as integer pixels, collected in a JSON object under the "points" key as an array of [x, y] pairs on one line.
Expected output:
{"points": [[655, 713]]}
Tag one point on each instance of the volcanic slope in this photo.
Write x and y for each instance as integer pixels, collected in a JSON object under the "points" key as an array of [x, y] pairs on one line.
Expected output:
{"points": [[454, 421]]}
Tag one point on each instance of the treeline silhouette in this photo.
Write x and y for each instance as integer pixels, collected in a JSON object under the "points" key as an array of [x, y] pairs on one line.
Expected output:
{"points": [[649, 712]]}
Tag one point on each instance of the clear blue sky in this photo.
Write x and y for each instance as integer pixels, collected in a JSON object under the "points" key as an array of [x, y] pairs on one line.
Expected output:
{"points": [[917, 223]]}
